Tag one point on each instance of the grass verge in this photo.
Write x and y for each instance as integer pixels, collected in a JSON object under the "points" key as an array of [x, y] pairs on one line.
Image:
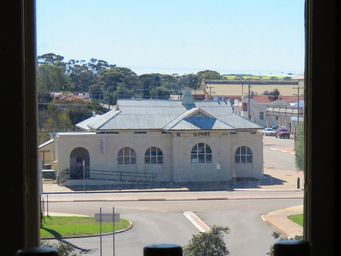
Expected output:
{"points": [[61, 226], [298, 218]]}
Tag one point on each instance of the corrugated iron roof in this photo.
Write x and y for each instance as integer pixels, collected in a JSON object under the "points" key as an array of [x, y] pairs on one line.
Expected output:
{"points": [[200, 123], [84, 124], [157, 114], [45, 143]]}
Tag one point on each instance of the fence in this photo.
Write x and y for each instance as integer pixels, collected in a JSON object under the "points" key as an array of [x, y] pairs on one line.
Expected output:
{"points": [[124, 176], [63, 176], [110, 175]]}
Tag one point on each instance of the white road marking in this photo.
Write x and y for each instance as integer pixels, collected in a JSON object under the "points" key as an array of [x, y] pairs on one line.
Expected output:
{"points": [[196, 221], [283, 150]]}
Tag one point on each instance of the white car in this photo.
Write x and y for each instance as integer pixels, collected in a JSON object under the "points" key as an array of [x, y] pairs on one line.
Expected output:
{"points": [[268, 132]]}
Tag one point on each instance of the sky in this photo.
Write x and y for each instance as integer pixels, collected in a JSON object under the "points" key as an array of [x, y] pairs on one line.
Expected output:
{"points": [[177, 36]]}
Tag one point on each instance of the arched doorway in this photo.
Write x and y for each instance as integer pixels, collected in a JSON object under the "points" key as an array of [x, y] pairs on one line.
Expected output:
{"points": [[79, 163]]}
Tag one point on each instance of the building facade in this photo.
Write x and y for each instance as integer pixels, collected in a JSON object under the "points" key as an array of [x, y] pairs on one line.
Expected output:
{"points": [[161, 141]]}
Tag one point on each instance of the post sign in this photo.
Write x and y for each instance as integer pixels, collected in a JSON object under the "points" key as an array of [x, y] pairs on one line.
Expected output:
{"points": [[107, 217]]}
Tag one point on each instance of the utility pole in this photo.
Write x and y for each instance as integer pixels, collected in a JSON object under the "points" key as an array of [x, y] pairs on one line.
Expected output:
{"points": [[242, 90], [113, 231], [248, 102], [210, 94], [83, 165], [298, 105]]}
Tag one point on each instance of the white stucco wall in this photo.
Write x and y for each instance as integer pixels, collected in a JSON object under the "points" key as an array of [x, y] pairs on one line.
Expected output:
{"points": [[255, 113], [255, 143], [177, 166], [184, 170]]}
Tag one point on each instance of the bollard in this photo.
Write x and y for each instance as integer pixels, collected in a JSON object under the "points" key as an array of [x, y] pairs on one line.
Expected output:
{"points": [[38, 251], [162, 250], [298, 182]]}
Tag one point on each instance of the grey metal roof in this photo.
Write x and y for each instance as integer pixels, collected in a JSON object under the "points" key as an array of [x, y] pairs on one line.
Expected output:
{"points": [[200, 123], [84, 124], [45, 143], [102, 119], [196, 119], [168, 114]]}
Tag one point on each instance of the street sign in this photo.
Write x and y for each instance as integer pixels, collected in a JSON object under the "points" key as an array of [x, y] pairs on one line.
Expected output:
{"points": [[107, 217]]}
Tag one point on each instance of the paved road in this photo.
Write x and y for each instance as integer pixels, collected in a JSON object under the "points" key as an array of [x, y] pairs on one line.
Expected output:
{"points": [[279, 154], [164, 222]]}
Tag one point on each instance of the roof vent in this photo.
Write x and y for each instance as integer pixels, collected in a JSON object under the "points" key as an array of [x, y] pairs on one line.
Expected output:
{"points": [[187, 99]]}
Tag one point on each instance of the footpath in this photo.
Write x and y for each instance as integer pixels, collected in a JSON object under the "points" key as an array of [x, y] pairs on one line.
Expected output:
{"points": [[278, 219]]}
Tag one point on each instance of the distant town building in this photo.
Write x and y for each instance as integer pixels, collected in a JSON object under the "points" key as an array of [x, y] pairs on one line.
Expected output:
{"points": [[71, 97], [239, 89]]}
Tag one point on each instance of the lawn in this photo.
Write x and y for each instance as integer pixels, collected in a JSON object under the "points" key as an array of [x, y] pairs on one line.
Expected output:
{"points": [[58, 227], [298, 218]]}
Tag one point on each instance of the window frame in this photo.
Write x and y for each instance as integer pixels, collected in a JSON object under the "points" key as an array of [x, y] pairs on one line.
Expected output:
{"points": [[19, 49], [128, 158], [261, 115], [201, 155], [148, 156], [247, 155]]}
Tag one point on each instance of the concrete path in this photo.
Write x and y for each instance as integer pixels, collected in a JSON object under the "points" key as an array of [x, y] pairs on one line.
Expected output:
{"points": [[279, 219], [273, 180], [276, 218]]}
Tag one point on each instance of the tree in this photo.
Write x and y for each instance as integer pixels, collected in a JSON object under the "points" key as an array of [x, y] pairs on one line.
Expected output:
{"points": [[115, 79], [149, 82], [208, 244], [50, 78], [98, 66], [50, 59], [64, 122], [62, 248], [299, 147], [160, 92], [189, 80], [79, 75], [208, 75], [272, 95]]}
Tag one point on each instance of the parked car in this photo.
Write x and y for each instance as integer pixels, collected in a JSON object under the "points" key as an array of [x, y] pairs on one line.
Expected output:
{"points": [[275, 127], [268, 132], [283, 133]]}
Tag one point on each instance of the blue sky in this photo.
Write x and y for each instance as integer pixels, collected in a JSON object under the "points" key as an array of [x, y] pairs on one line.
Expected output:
{"points": [[177, 36]]}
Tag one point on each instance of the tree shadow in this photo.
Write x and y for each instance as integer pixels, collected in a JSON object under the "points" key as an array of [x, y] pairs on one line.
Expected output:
{"points": [[59, 238], [54, 233]]}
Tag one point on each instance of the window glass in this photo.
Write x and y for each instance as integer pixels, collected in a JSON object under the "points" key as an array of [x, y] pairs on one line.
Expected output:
{"points": [[153, 155], [126, 156], [201, 153], [243, 155]]}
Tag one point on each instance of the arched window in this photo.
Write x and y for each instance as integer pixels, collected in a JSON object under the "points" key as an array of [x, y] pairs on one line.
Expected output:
{"points": [[153, 155], [126, 155], [201, 153], [243, 155]]}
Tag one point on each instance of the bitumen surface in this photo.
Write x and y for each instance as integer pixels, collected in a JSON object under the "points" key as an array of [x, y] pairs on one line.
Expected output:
{"points": [[278, 219]]}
